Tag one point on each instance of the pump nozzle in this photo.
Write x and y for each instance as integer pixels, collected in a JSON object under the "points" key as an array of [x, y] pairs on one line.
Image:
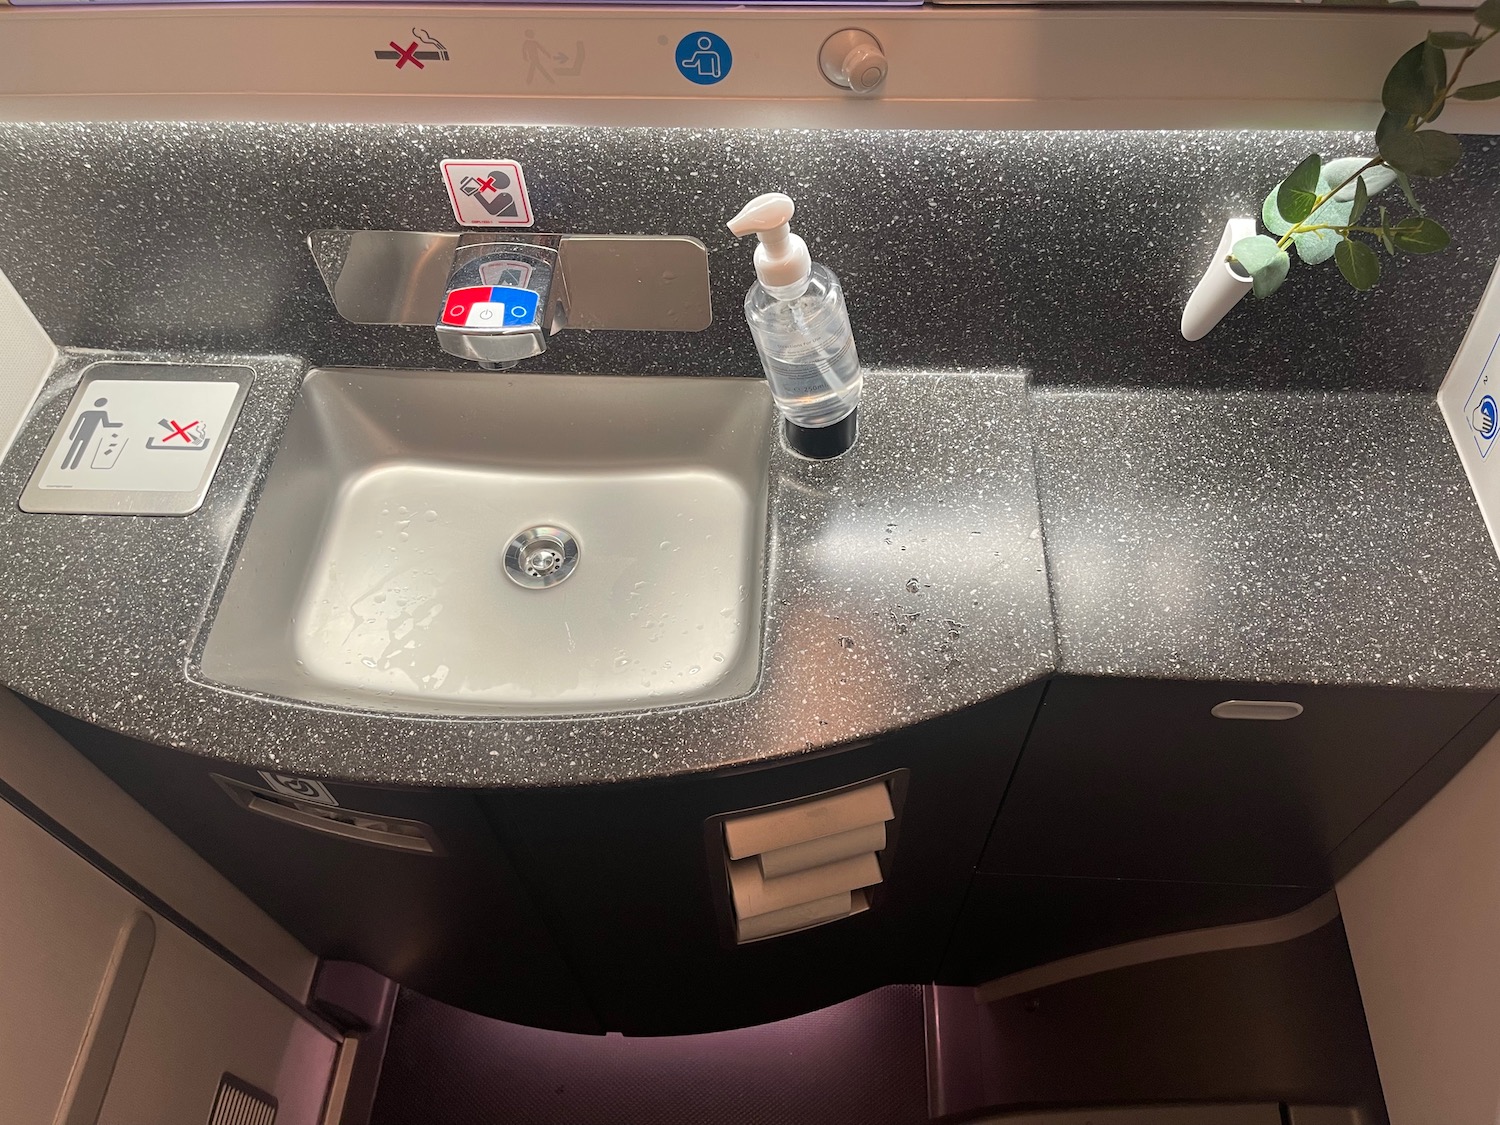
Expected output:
{"points": [[781, 260]]}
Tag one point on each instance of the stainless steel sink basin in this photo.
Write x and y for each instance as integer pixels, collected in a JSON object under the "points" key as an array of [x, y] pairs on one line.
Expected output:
{"points": [[374, 574]]}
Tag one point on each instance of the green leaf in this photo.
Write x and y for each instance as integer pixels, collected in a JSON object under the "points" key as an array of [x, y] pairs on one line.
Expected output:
{"points": [[1427, 152], [1361, 200], [1452, 40], [1488, 13], [1254, 252], [1358, 263], [1420, 235], [1411, 197], [1298, 193], [1263, 261], [1268, 279], [1409, 88], [1388, 124], [1385, 231], [1482, 92], [1434, 66]]}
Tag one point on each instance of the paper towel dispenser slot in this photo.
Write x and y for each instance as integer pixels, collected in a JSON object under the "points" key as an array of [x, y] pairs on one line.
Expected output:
{"points": [[805, 862], [826, 849]]}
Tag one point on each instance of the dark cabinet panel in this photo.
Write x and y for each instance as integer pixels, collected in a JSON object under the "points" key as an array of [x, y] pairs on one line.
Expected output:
{"points": [[457, 926], [1014, 922], [1139, 780], [624, 874]]}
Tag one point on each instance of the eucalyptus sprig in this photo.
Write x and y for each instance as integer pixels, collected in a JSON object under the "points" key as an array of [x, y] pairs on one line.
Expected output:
{"points": [[1319, 208]]}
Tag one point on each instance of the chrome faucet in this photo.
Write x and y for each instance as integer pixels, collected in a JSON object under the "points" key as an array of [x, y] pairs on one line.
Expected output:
{"points": [[503, 298], [496, 297]]}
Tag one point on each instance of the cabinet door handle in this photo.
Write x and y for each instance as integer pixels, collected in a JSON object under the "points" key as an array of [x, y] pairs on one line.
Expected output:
{"points": [[1263, 710]]}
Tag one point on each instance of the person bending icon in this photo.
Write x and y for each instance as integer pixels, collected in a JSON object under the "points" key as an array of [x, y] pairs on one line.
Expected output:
{"points": [[82, 433]]}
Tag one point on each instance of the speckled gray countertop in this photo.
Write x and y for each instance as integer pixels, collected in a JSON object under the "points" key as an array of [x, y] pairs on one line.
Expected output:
{"points": [[1281, 537], [1287, 537], [908, 582]]}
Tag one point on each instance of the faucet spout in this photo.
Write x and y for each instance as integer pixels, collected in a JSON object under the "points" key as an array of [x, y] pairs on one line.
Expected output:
{"points": [[502, 298]]}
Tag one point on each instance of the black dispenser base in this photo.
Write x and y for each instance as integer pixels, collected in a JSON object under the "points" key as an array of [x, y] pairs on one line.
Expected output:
{"points": [[825, 442]]}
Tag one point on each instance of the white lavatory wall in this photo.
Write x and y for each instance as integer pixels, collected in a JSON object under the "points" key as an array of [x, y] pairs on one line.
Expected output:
{"points": [[96, 1025], [66, 786], [1469, 397], [1423, 918], [26, 355]]}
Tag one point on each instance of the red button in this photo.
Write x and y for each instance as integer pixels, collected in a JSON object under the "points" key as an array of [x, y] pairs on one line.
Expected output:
{"points": [[456, 307]]}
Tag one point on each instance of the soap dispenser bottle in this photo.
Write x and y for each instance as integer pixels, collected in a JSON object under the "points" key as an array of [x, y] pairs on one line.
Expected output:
{"points": [[796, 314]]}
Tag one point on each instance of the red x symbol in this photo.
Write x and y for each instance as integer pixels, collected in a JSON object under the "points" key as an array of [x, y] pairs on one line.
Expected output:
{"points": [[408, 55], [486, 183], [180, 431]]}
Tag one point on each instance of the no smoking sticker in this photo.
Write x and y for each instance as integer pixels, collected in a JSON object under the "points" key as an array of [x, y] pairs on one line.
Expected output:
{"points": [[487, 193]]}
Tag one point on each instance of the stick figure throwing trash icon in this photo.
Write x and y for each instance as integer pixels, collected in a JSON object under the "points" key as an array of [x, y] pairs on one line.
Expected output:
{"points": [[84, 427]]}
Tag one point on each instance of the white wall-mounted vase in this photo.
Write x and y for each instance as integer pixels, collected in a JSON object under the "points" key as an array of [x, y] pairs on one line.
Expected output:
{"points": [[1222, 286]]}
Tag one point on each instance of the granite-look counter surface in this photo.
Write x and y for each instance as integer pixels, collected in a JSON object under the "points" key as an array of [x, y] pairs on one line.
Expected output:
{"points": [[907, 580], [1277, 537], [1286, 537]]}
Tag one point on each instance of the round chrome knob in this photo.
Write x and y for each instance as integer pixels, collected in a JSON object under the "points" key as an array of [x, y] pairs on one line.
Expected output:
{"points": [[854, 60]]}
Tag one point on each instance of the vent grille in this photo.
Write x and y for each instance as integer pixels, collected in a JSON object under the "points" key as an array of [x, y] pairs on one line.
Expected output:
{"points": [[239, 1103]]}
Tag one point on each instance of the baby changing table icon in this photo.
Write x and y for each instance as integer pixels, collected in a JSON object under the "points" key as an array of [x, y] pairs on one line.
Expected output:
{"points": [[175, 435]]}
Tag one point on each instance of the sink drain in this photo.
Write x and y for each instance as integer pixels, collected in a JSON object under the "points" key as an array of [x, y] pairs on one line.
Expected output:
{"points": [[540, 557]]}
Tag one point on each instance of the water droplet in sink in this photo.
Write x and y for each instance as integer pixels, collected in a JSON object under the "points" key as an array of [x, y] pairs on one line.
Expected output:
{"points": [[663, 545], [367, 662], [429, 515], [622, 662], [694, 670], [718, 658], [404, 536]]}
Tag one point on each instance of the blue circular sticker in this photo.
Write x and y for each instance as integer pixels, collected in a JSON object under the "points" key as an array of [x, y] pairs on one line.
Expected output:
{"points": [[704, 58], [1486, 420]]}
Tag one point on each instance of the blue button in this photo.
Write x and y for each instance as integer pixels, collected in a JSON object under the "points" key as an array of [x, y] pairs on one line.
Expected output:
{"points": [[704, 58], [520, 304]]}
